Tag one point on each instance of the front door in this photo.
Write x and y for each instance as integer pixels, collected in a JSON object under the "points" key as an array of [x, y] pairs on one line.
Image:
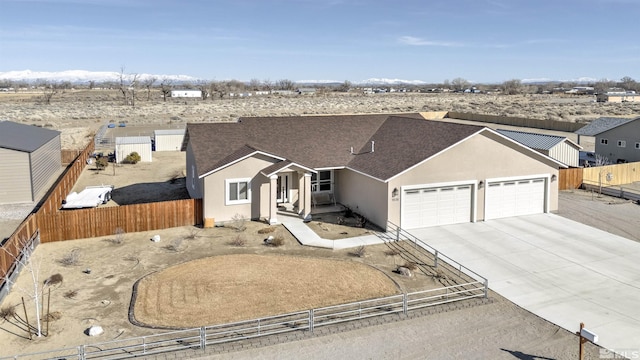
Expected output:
{"points": [[283, 184]]}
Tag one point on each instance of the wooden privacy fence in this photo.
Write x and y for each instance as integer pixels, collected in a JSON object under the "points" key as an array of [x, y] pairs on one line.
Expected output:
{"points": [[94, 222], [569, 178], [610, 175], [518, 121]]}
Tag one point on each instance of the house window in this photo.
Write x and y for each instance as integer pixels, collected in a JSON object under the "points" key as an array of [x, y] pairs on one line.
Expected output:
{"points": [[622, 143], [604, 141], [238, 191], [322, 181], [638, 145]]}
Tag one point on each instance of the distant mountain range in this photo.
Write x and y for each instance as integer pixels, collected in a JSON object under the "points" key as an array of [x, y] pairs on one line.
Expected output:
{"points": [[84, 77]]}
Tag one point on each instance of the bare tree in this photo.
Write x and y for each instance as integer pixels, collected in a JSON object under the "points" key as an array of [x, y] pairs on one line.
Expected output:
{"points": [[26, 260], [285, 84], [127, 86], [512, 87], [165, 88], [345, 86], [601, 86], [148, 84], [628, 83], [48, 91], [203, 86], [267, 84], [459, 83], [255, 85]]}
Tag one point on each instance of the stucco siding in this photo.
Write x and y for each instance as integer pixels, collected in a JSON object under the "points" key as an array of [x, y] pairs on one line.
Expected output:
{"points": [[364, 195], [476, 159], [629, 133], [215, 192], [15, 177], [46, 161]]}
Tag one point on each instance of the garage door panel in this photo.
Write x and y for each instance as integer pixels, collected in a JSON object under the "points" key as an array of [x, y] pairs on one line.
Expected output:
{"points": [[436, 206], [515, 198]]}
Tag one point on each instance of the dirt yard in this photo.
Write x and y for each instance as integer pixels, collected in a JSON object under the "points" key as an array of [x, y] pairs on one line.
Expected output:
{"points": [[98, 277]]}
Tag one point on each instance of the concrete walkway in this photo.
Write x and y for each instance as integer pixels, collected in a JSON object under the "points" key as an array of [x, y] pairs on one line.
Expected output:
{"points": [[308, 237], [561, 270]]}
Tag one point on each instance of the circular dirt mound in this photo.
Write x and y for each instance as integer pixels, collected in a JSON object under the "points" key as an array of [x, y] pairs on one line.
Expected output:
{"points": [[231, 288]]}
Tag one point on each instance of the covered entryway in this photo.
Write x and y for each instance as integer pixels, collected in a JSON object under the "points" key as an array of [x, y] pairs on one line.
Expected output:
{"points": [[515, 197], [425, 205]]}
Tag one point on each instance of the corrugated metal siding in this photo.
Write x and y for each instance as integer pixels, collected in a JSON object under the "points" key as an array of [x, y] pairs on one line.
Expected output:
{"points": [[169, 142], [566, 154], [45, 162], [144, 150], [15, 178]]}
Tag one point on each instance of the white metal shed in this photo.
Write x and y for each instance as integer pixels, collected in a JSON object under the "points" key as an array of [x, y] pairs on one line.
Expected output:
{"points": [[128, 144], [169, 140]]}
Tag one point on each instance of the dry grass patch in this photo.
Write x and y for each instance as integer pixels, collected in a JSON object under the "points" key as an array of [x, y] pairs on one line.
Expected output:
{"points": [[239, 287]]}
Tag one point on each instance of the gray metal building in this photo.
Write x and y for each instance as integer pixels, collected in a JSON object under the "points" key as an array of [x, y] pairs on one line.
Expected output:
{"points": [[557, 147], [29, 157]]}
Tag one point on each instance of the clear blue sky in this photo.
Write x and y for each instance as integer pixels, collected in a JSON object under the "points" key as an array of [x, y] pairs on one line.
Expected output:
{"points": [[429, 40]]}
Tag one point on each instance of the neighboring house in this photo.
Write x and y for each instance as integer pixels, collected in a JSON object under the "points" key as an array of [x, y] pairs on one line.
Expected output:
{"points": [[125, 145], [29, 158], [186, 93], [556, 147], [618, 96], [168, 140], [400, 169], [616, 139]]}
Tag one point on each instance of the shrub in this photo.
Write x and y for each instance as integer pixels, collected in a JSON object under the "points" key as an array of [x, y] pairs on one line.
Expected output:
{"points": [[102, 162], [267, 230], [174, 245], [70, 294], [239, 222], [238, 241], [133, 158], [411, 265], [360, 251], [53, 280], [276, 241], [7, 312], [118, 237], [193, 233], [70, 259]]}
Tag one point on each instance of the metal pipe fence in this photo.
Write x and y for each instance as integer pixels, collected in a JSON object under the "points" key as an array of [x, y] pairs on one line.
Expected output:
{"points": [[620, 191], [200, 338]]}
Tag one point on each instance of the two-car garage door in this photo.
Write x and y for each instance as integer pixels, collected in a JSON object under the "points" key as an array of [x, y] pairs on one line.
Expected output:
{"points": [[430, 206], [515, 198], [424, 206]]}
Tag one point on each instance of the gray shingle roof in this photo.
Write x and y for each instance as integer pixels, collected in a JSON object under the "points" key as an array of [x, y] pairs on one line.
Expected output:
{"points": [[533, 140], [23, 137], [601, 125], [325, 141]]}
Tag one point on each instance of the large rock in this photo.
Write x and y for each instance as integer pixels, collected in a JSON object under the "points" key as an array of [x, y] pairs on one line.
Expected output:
{"points": [[95, 330], [155, 238]]}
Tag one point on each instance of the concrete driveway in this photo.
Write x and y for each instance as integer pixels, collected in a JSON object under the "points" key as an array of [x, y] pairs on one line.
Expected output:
{"points": [[561, 270]]}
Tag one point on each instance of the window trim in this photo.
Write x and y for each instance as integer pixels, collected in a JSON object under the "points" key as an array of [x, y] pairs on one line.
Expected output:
{"points": [[622, 143], [315, 184], [227, 192], [604, 141]]}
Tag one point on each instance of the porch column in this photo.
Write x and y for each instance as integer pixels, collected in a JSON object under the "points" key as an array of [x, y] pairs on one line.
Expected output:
{"points": [[306, 214], [301, 191], [273, 196]]}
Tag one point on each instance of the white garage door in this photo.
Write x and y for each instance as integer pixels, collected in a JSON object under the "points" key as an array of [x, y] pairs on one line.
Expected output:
{"points": [[424, 207], [514, 198]]}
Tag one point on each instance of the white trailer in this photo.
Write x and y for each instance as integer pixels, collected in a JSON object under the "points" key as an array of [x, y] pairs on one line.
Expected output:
{"points": [[91, 196], [186, 93]]}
